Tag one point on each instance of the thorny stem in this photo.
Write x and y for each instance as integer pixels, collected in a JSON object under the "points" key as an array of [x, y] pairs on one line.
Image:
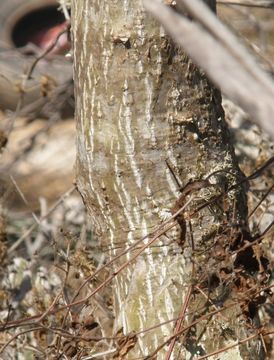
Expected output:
{"points": [[123, 266], [180, 332], [258, 333], [24, 322], [179, 321], [64, 333], [158, 232], [186, 302]]}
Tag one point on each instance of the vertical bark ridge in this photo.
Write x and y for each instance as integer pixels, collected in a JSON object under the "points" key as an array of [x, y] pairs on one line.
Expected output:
{"points": [[139, 103]]}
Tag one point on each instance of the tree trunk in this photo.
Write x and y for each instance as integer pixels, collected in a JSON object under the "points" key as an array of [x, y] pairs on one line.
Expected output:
{"points": [[150, 130]]}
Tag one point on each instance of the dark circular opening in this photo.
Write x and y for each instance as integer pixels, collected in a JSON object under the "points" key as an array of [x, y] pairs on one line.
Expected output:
{"points": [[31, 27]]}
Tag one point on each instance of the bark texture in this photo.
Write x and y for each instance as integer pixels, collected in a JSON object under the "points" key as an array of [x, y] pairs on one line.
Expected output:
{"points": [[142, 105]]}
